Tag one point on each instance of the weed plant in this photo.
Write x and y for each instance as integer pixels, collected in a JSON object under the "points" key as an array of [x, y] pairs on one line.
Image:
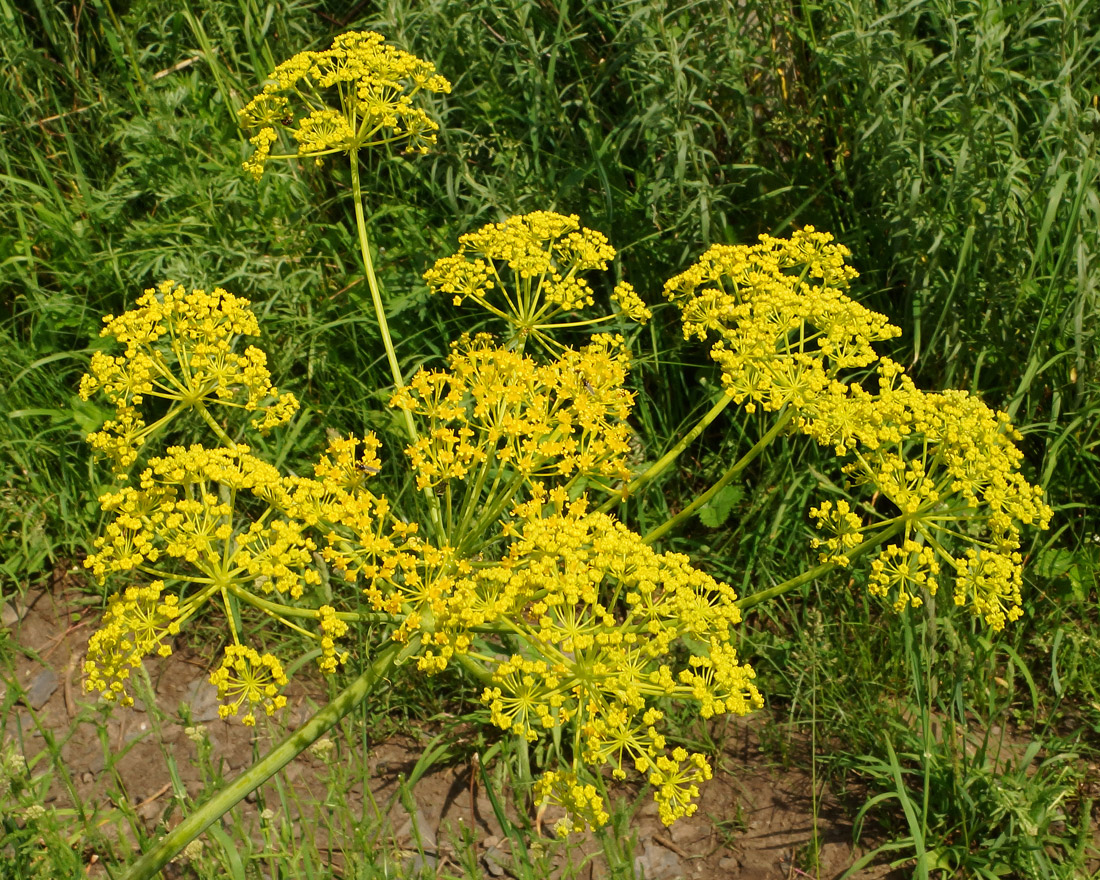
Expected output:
{"points": [[965, 132]]}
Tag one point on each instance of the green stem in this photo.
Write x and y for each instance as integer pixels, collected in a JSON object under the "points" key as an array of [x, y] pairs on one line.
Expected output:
{"points": [[214, 426], [383, 324], [172, 843], [375, 291], [820, 570], [669, 457], [781, 422], [277, 608]]}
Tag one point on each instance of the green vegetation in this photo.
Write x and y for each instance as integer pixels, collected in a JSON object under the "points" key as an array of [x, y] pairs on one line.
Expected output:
{"points": [[950, 145]]}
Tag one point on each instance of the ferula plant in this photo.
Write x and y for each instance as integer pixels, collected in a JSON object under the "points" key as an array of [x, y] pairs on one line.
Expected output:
{"points": [[508, 561]]}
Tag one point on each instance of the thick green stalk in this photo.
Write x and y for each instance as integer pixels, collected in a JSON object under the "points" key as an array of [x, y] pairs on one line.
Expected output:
{"points": [[277, 609], [169, 846], [212, 423], [669, 457], [763, 443]]}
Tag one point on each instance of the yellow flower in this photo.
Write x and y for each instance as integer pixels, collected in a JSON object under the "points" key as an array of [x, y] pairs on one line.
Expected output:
{"points": [[332, 628], [944, 463], [180, 347], [136, 624], [950, 468], [786, 329], [676, 782], [498, 408], [583, 804], [843, 526], [600, 620], [527, 271], [247, 680], [372, 85], [630, 303]]}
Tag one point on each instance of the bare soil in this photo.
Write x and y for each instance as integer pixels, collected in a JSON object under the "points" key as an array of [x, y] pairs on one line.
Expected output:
{"points": [[755, 820]]}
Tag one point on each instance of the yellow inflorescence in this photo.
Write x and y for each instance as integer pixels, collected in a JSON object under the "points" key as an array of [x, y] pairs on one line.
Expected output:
{"points": [[786, 329], [247, 681], [176, 511], [180, 348], [631, 305], [579, 628], [182, 520], [583, 805], [136, 624], [601, 616], [528, 270], [373, 85], [564, 418], [332, 628], [596, 617], [944, 461], [676, 780]]}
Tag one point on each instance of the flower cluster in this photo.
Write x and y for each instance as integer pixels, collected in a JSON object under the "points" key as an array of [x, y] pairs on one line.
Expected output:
{"points": [[582, 634], [945, 463], [226, 526], [248, 680], [136, 624], [180, 349], [373, 84], [177, 511], [599, 618], [949, 468], [496, 408], [593, 618], [785, 327], [527, 271], [332, 628]]}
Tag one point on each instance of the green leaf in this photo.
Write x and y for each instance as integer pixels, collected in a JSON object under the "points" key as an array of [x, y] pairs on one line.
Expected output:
{"points": [[716, 511]]}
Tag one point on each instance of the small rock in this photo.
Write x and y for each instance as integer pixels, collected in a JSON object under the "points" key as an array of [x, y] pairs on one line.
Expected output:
{"points": [[202, 698], [494, 861], [419, 863], [8, 615], [729, 863], [416, 825], [41, 688], [685, 833], [149, 812], [96, 762], [87, 777], [138, 731], [657, 863]]}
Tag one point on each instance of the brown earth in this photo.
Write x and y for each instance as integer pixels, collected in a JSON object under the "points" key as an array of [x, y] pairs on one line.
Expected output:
{"points": [[755, 819]]}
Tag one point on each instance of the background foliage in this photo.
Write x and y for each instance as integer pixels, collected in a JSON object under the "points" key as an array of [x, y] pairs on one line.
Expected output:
{"points": [[951, 145]]}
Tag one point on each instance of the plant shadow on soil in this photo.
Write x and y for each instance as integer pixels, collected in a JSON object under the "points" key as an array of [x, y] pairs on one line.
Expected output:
{"points": [[755, 819]]}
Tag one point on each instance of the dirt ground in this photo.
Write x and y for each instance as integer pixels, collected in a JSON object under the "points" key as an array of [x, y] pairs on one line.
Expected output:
{"points": [[755, 819]]}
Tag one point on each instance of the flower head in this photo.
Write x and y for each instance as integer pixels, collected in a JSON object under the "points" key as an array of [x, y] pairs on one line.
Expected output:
{"points": [[137, 623], [498, 408], [945, 464], [247, 681], [785, 327], [181, 348], [371, 86], [529, 271]]}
